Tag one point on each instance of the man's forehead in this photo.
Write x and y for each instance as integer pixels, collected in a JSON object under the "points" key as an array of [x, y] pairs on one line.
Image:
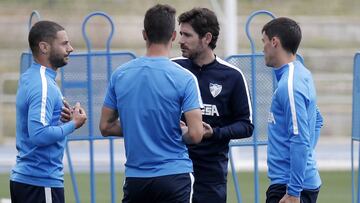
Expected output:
{"points": [[62, 35], [186, 26], [264, 36]]}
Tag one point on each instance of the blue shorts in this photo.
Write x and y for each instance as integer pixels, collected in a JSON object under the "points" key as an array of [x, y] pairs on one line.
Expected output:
{"points": [[209, 192], [163, 189], [24, 193], [277, 191]]}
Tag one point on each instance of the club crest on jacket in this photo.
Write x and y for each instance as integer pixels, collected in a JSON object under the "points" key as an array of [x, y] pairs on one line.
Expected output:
{"points": [[215, 89]]}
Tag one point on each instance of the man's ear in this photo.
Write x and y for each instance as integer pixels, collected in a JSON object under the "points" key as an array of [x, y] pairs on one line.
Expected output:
{"points": [[144, 35], [208, 37], [173, 36], [275, 41], [44, 47]]}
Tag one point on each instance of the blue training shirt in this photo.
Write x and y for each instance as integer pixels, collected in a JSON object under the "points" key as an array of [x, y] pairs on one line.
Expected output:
{"points": [[150, 93], [293, 127], [40, 136]]}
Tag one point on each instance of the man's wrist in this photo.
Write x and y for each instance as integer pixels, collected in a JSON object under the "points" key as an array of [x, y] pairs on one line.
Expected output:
{"points": [[292, 192]]}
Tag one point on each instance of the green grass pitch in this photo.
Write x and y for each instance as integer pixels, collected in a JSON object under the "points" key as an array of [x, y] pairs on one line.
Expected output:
{"points": [[336, 187]]}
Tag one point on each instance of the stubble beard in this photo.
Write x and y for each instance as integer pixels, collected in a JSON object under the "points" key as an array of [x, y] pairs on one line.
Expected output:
{"points": [[56, 60]]}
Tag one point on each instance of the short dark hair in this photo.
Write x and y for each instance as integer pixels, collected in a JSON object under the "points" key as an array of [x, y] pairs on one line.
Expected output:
{"points": [[287, 30], [42, 31], [159, 23], [202, 20]]}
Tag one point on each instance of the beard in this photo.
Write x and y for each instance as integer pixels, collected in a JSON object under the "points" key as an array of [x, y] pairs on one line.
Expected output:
{"points": [[57, 60], [191, 54]]}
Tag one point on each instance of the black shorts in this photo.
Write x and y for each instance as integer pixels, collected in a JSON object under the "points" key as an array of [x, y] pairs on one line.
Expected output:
{"points": [[209, 192], [276, 191], [163, 189], [24, 193]]}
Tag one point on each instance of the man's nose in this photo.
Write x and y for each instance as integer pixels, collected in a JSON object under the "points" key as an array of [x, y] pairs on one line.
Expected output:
{"points": [[70, 49], [181, 40]]}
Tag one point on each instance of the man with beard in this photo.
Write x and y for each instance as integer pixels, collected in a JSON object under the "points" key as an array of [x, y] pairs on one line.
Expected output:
{"points": [[227, 105], [40, 134]]}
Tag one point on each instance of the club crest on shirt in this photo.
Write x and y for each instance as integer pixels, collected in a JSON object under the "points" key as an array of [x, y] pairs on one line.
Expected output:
{"points": [[215, 89]]}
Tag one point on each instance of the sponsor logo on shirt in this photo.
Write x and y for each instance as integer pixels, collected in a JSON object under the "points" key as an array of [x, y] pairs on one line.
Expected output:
{"points": [[271, 118], [215, 89], [210, 110]]}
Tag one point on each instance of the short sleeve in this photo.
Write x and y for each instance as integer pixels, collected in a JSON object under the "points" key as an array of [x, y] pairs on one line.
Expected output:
{"points": [[110, 97], [192, 98]]}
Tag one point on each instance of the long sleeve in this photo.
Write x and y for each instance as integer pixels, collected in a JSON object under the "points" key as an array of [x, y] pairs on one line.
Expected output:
{"points": [[318, 126], [242, 126], [298, 130], [40, 135], [42, 102], [292, 123]]}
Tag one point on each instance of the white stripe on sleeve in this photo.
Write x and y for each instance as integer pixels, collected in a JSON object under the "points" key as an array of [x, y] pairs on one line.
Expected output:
{"points": [[291, 98], [43, 95]]}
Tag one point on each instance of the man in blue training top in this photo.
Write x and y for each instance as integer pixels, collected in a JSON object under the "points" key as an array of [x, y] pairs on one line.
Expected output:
{"points": [[40, 134], [143, 103], [294, 121], [227, 106]]}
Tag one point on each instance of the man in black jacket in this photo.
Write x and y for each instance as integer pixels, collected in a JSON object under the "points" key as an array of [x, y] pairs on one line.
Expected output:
{"points": [[227, 112]]}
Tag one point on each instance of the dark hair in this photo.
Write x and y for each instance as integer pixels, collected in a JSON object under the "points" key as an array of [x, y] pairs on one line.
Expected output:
{"points": [[287, 30], [202, 20], [42, 31], [159, 23]]}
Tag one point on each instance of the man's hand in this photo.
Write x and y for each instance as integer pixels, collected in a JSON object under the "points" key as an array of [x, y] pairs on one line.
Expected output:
{"points": [[79, 115], [289, 199], [208, 131], [66, 112]]}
